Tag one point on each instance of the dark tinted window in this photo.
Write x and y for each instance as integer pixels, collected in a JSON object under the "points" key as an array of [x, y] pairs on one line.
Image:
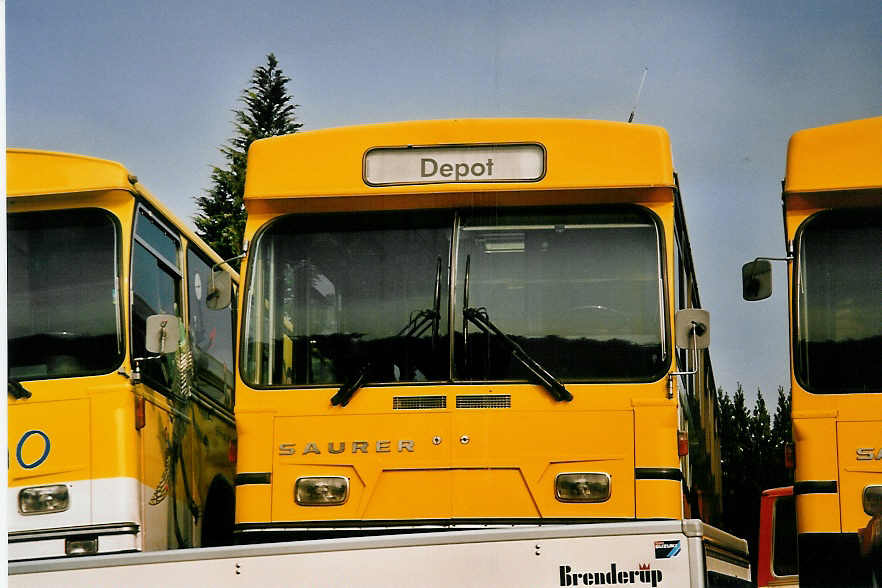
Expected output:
{"points": [[839, 302], [211, 334], [784, 547], [157, 236], [577, 289], [332, 294], [63, 298], [155, 290]]}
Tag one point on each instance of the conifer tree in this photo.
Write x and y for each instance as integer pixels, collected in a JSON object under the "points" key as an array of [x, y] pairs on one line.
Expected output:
{"points": [[736, 451], [782, 433], [741, 431], [268, 111], [751, 449], [725, 428], [761, 436], [781, 427]]}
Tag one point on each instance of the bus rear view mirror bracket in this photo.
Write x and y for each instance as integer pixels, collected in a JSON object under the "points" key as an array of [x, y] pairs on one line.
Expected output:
{"points": [[756, 278], [163, 333], [692, 331]]}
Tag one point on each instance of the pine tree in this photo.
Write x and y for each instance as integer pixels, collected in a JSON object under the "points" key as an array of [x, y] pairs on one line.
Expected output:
{"points": [[736, 448], [749, 442], [741, 431], [782, 433], [269, 111], [761, 436]]}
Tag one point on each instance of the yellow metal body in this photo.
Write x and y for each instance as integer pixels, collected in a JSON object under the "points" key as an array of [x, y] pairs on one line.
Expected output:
{"points": [[81, 432], [830, 168], [467, 464]]}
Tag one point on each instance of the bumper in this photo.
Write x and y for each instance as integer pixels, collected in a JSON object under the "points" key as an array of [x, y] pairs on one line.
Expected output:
{"points": [[51, 543]]}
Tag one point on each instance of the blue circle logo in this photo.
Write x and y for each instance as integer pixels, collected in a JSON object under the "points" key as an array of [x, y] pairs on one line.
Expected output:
{"points": [[41, 459]]}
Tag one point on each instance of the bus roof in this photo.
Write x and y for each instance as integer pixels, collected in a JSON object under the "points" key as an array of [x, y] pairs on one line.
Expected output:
{"points": [[844, 156], [579, 154], [31, 171]]}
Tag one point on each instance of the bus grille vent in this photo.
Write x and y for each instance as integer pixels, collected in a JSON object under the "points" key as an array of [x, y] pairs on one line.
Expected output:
{"points": [[418, 402], [484, 401]]}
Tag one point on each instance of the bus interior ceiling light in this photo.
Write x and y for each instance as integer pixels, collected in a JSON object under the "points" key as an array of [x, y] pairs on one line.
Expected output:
{"points": [[510, 243]]}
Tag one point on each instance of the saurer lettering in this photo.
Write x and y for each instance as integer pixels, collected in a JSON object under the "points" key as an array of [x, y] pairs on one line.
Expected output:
{"points": [[382, 446], [867, 453]]}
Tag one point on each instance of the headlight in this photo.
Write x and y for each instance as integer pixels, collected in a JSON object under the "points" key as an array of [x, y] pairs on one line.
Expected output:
{"points": [[873, 500], [43, 499], [582, 487], [321, 490]]}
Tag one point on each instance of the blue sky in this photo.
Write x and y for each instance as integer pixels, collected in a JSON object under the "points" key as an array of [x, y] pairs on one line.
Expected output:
{"points": [[152, 85]]}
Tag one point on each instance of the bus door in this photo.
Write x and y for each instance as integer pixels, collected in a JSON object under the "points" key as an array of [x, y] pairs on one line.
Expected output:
{"points": [[64, 325], [577, 290], [166, 442], [346, 317], [211, 338], [839, 341]]}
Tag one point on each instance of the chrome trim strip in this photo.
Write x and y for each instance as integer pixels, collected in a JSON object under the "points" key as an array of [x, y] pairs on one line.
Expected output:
{"points": [[64, 532]]}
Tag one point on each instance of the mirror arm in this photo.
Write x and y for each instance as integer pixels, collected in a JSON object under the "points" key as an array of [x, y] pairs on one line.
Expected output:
{"points": [[788, 259], [227, 261], [697, 329]]}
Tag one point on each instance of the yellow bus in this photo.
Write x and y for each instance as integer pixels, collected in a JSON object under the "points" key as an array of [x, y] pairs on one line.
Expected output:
{"points": [[833, 225], [121, 434], [468, 323]]}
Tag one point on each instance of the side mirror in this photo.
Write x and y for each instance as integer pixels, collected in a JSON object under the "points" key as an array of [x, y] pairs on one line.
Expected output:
{"points": [[692, 328], [756, 280], [162, 333], [220, 293]]}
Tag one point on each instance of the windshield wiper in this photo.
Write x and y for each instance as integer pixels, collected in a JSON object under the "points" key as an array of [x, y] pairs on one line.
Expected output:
{"points": [[17, 390], [351, 386], [479, 317], [415, 327]]}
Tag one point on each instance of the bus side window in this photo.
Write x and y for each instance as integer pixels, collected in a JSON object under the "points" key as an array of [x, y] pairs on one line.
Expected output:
{"points": [[680, 301], [156, 289], [211, 334]]}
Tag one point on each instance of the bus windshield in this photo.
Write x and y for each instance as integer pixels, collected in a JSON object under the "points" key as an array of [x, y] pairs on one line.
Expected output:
{"points": [[839, 303], [63, 311], [579, 290], [332, 295]]}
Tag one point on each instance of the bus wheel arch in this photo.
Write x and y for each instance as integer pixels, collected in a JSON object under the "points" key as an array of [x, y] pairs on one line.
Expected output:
{"points": [[218, 516]]}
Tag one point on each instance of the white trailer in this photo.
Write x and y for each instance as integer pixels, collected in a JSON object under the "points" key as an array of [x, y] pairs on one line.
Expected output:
{"points": [[641, 553]]}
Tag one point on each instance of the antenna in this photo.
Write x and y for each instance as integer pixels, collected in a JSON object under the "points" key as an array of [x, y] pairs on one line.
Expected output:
{"points": [[637, 97]]}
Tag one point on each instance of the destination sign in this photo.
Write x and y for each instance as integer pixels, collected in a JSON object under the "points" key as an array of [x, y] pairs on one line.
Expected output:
{"points": [[387, 166]]}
